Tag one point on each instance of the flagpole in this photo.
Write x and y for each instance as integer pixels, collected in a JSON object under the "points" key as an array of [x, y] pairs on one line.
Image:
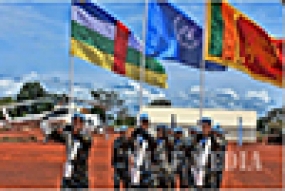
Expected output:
{"points": [[202, 87], [142, 66], [202, 68], [71, 78], [71, 70], [202, 80]]}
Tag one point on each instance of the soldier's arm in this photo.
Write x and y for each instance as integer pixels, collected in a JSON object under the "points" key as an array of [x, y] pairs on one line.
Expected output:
{"points": [[59, 134], [86, 138], [134, 134], [114, 153]]}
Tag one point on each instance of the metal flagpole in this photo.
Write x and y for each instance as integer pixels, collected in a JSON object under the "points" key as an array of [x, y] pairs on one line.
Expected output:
{"points": [[202, 80], [71, 71], [202, 70], [142, 66], [71, 78]]}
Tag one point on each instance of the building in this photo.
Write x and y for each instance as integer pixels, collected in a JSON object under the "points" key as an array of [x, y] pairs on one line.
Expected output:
{"points": [[228, 119]]}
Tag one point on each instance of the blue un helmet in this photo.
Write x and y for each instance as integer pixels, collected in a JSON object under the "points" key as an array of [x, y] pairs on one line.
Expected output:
{"points": [[221, 131], [205, 120], [193, 129], [123, 128], [161, 126], [79, 116], [178, 130], [217, 129], [144, 117]]}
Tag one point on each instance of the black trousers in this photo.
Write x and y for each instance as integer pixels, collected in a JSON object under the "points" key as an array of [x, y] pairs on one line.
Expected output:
{"points": [[74, 184], [145, 181], [219, 178], [121, 175]]}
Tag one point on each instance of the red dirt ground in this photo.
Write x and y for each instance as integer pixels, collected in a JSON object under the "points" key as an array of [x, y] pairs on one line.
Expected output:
{"points": [[38, 165]]}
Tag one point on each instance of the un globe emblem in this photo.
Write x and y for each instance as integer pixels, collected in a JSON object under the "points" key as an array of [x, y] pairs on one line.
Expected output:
{"points": [[185, 35]]}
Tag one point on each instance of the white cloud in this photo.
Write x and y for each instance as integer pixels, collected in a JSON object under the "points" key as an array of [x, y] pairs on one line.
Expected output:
{"points": [[195, 89], [32, 76], [230, 92], [263, 95], [253, 99], [5, 83], [82, 93], [9, 87]]}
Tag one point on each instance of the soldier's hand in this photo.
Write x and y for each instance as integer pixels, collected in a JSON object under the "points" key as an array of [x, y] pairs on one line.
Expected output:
{"points": [[59, 130], [132, 161]]}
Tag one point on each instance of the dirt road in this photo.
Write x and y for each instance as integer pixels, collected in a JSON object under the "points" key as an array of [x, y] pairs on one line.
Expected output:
{"points": [[38, 165]]}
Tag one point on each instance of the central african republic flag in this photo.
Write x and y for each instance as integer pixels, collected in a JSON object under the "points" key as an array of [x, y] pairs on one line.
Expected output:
{"points": [[99, 38]]}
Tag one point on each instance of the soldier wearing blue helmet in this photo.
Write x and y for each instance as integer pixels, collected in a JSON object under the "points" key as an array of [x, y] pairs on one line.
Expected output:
{"points": [[191, 149], [162, 153], [206, 143], [220, 155], [179, 157], [138, 147], [78, 142], [120, 159]]}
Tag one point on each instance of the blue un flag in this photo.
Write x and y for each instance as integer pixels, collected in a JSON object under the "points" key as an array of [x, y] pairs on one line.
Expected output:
{"points": [[172, 35]]}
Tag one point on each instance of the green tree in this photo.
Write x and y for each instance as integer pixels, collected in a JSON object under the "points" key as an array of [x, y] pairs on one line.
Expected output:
{"points": [[130, 121], [6, 100], [100, 111], [110, 101], [260, 125], [31, 91]]}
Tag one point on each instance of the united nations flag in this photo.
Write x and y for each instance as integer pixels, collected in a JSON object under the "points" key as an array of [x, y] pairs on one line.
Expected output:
{"points": [[172, 35]]}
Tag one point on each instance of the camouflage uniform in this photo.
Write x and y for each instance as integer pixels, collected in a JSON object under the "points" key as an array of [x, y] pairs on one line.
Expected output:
{"points": [[172, 167], [120, 162], [179, 160], [210, 178], [161, 171], [138, 137], [191, 151], [77, 149], [221, 158]]}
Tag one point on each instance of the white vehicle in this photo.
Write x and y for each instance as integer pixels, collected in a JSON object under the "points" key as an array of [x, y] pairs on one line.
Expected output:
{"points": [[61, 116], [8, 120]]}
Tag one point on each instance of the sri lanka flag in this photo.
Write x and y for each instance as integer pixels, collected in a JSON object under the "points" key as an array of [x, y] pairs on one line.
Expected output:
{"points": [[236, 41], [99, 38]]}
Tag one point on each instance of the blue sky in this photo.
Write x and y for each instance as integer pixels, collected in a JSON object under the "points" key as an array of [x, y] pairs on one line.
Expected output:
{"points": [[34, 37]]}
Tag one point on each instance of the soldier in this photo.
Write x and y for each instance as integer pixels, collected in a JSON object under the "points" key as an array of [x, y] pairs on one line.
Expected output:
{"points": [[120, 159], [78, 142], [207, 144], [161, 170], [142, 144], [220, 158], [170, 139], [179, 151], [190, 154]]}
